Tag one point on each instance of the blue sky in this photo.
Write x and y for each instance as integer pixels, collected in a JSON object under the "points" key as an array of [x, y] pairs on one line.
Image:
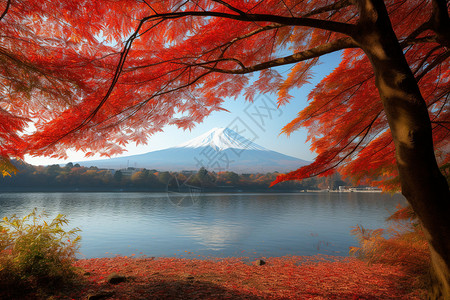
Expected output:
{"points": [[258, 121]]}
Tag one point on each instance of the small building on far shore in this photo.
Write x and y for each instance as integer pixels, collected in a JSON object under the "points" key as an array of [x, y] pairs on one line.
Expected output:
{"points": [[368, 189]]}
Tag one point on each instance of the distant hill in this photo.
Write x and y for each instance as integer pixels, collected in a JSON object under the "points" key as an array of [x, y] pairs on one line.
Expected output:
{"points": [[220, 149]]}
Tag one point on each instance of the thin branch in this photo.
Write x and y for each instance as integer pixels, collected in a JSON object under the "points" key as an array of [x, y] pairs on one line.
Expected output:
{"points": [[244, 36], [117, 73], [358, 86], [441, 58], [290, 12], [223, 48], [34, 69], [146, 3], [440, 124], [438, 97], [8, 4], [154, 25], [197, 4], [332, 7], [426, 39], [422, 28], [135, 108], [294, 58], [424, 60], [215, 62], [297, 57], [436, 115], [367, 129], [230, 7]]}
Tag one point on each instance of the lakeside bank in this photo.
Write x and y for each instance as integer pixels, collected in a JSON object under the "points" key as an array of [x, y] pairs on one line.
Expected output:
{"points": [[290, 277]]}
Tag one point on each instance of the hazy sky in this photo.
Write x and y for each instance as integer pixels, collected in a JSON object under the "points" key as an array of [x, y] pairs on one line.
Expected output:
{"points": [[259, 121]]}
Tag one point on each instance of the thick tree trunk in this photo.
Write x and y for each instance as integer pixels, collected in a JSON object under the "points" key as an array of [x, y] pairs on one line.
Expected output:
{"points": [[422, 184]]}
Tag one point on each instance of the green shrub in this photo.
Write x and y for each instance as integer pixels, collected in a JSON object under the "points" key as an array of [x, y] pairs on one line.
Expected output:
{"points": [[35, 253]]}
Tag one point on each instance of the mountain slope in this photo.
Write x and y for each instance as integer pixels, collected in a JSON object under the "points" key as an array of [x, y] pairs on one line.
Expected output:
{"points": [[221, 139], [220, 149]]}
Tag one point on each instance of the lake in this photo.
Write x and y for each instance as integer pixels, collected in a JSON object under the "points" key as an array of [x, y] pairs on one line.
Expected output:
{"points": [[218, 225]]}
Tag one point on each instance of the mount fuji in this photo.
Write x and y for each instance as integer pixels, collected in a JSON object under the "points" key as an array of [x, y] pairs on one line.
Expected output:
{"points": [[220, 149]]}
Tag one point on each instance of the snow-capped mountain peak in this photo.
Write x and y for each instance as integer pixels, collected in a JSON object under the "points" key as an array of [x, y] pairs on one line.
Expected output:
{"points": [[221, 139], [232, 152]]}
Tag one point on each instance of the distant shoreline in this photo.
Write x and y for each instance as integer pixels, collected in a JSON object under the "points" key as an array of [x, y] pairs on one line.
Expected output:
{"points": [[136, 190], [160, 190]]}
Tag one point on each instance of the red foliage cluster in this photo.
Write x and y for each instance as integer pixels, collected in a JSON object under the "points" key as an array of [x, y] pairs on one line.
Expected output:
{"points": [[318, 277]]}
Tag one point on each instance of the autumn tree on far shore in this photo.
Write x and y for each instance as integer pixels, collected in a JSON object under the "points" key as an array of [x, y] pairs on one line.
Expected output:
{"points": [[383, 113]]}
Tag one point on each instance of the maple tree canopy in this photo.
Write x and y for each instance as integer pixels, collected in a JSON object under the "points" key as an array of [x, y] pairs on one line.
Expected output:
{"points": [[95, 75]]}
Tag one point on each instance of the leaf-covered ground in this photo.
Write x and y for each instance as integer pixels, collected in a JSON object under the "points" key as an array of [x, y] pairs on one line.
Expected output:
{"points": [[317, 277]]}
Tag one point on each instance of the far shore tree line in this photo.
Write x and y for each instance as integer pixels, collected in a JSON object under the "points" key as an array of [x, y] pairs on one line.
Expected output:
{"points": [[73, 177]]}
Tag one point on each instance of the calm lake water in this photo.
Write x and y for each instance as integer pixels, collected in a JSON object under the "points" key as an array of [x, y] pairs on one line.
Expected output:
{"points": [[219, 225]]}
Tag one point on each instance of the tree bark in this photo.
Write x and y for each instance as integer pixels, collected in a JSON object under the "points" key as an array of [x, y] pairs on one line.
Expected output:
{"points": [[422, 183]]}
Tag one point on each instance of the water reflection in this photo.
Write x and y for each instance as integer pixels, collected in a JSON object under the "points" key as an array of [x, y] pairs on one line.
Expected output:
{"points": [[214, 236], [218, 224]]}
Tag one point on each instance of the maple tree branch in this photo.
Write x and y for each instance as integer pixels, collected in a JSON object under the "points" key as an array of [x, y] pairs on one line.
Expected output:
{"points": [[367, 130], [153, 26], [426, 57], [227, 45], [290, 11], [422, 28], [151, 79], [214, 61], [146, 3], [436, 115], [440, 21], [118, 71], [135, 108], [426, 39], [297, 57], [358, 85], [445, 93], [332, 7], [314, 52], [230, 7], [8, 4], [439, 123], [131, 69], [34, 69], [294, 58], [333, 26], [252, 33], [441, 58]]}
